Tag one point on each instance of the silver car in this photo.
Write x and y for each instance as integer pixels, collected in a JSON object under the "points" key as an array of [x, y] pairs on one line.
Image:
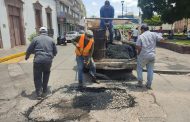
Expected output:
{"points": [[71, 35]]}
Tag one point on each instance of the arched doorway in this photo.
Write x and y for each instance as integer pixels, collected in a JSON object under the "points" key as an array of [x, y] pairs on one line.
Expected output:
{"points": [[16, 22]]}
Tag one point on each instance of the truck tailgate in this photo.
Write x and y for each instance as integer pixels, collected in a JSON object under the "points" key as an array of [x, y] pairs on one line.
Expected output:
{"points": [[116, 64]]}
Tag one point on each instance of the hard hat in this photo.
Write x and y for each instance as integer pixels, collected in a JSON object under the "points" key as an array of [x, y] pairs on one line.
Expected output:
{"points": [[43, 29], [89, 33]]}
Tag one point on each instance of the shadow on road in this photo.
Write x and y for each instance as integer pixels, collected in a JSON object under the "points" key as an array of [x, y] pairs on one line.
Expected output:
{"points": [[31, 96]]}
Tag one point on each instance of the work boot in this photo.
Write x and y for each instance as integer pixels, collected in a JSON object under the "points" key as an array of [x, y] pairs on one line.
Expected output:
{"points": [[38, 95], [148, 87], [46, 93], [80, 85], [95, 80], [140, 84]]}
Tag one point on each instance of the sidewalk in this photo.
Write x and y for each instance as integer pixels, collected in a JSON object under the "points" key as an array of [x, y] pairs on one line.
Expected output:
{"points": [[167, 60], [15, 50]]}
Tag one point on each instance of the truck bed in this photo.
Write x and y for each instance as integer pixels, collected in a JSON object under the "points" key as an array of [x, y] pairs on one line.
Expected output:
{"points": [[116, 64]]}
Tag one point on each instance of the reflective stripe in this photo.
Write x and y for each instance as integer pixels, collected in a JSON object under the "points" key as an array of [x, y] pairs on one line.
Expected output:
{"points": [[88, 47]]}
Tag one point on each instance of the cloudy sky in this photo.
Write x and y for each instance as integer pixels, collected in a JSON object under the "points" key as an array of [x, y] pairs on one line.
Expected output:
{"points": [[93, 6]]}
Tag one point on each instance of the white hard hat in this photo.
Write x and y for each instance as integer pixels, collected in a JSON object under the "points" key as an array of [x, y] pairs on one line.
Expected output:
{"points": [[89, 32], [43, 29]]}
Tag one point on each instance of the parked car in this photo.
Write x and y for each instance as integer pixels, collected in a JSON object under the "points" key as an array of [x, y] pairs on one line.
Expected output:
{"points": [[188, 34], [61, 40], [71, 35]]}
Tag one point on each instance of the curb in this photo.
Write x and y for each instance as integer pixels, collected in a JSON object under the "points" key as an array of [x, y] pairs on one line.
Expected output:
{"points": [[9, 57], [172, 72]]}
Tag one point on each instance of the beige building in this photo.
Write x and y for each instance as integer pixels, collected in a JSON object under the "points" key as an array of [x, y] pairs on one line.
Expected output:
{"points": [[179, 25], [71, 15]]}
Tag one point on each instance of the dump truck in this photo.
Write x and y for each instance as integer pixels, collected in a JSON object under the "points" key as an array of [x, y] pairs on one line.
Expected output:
{"points": [[104, 63]]}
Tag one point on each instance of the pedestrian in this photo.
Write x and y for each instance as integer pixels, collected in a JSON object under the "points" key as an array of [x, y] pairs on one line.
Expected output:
{"points": [[129, 35], [146, 45], [135, 34], [107, 11], [185, 30], [84, 51], [44, 50], [160, 31]]}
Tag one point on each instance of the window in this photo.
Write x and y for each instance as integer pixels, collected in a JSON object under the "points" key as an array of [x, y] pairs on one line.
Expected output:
{"points": [[38, 15], [62, 8], [49, 17]]}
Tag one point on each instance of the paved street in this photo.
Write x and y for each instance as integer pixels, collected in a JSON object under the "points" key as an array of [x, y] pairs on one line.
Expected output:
{"points": [[114, 101]]}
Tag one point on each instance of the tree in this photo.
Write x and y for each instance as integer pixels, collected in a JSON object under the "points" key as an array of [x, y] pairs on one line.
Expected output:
{"points": [[169, 10], [154, 21]]}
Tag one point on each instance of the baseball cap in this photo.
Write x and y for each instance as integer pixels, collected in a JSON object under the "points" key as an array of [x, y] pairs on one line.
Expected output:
{"points": [[43, 29]]}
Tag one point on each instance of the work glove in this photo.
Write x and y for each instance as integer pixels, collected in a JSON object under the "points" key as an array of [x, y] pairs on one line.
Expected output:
{"points": [[86, 61]]}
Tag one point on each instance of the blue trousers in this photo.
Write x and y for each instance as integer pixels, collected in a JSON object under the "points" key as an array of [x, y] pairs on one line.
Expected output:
{"points": [[149, 66], [80, 67]]}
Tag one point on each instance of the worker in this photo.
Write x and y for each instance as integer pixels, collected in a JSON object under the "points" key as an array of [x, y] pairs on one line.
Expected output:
{"points": [[135, 34], [44, 50], [84, 51], [146, 44], [107, 11]]}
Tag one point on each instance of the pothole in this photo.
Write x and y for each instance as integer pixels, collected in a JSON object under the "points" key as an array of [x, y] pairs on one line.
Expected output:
{"points": [[70, 104]]}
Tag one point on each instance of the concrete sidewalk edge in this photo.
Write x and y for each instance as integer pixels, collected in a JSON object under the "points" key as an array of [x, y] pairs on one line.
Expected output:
{"points": [[170, 71], [9, 57]]}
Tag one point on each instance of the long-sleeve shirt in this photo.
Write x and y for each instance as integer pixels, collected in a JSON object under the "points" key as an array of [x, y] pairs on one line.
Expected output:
{"points": [[43, 48], [106, 12]]}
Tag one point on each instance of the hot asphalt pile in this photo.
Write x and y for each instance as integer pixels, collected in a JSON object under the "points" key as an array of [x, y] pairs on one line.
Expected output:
{"points": [[106, 99], [120, 51]]}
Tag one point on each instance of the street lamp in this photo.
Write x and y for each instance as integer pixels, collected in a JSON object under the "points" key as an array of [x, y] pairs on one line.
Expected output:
{"points": [[122, 2]]}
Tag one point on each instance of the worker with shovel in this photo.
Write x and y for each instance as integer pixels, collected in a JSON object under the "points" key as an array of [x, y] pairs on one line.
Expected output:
{"points": [[84, 51]]}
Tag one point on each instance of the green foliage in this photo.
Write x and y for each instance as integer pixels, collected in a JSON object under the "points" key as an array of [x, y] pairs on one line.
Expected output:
{"points": [[181, 42], [125, 27], [170, 10], [154, 21], [33, 35]]}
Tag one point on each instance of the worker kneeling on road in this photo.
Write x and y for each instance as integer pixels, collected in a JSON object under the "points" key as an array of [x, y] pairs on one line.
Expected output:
{"points": [[44, 50], [84, 51], [146, 44]]}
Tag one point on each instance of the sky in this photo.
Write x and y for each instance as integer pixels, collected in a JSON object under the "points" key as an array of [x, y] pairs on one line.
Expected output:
{"points": [[93, 7]]}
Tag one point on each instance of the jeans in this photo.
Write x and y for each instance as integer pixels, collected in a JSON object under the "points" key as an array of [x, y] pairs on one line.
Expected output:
{"points": [[41, 72], [80, 67], [149, 66]]}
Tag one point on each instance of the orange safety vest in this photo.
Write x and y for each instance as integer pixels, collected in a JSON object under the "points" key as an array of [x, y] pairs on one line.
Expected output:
{"points": [[80, 49]]}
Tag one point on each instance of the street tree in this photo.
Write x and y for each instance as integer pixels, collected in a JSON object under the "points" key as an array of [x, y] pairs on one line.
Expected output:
{"points": [[154, 21], [169, 10]]}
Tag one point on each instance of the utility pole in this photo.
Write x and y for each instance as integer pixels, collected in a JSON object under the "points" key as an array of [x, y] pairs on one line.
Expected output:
{"points": [[122, 2]]}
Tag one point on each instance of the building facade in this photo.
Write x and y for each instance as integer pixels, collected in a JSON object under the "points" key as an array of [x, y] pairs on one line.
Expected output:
{"points": [[70, 14], [179, 25], [21, 18]]}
